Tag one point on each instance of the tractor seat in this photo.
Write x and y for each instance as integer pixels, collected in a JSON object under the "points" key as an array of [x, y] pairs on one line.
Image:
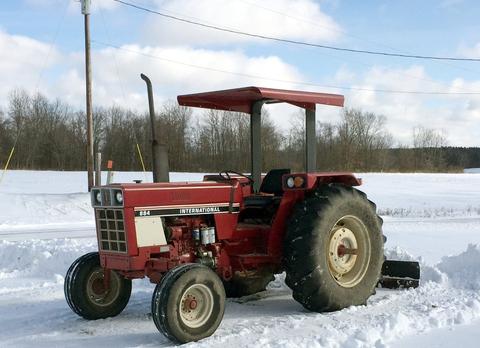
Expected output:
{"points": [[271, 188]]}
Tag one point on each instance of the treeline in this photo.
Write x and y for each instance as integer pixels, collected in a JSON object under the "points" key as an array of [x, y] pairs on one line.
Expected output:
{"points": [[50, 135]]}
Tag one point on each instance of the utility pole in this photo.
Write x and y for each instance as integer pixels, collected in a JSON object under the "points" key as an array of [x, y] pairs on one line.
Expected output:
{"points": [[88, 75]]}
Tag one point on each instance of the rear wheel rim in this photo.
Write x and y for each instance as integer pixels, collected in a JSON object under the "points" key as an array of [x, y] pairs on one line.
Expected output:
{"points": [[97, 293], [196, 305], [349, 251]]}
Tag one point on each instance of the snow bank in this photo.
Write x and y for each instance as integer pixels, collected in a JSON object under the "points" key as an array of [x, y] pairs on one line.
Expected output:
{"points": [[388, 317], [18, 210], [463, 271], [275, 320], [428, 273], [460, 271], [45, 259], [31, 198]]}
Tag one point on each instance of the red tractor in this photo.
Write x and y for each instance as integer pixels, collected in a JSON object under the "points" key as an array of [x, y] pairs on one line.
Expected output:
{"points": [[201, 242]]}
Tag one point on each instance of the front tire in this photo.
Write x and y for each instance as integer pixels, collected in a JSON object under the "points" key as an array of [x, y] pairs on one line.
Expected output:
{"points": [[189, 303], [85, 292], [333, 249]]}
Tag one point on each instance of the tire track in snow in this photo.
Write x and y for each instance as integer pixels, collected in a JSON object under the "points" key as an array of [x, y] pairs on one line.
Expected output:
{"points": [[46, 233], [389, 316]]}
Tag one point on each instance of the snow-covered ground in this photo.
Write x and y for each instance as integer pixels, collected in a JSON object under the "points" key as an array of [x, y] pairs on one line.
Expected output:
{"points": [[46, 222]]}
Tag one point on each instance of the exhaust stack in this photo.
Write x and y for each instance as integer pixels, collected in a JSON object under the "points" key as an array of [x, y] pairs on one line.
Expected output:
{"points": [[159, 151]]}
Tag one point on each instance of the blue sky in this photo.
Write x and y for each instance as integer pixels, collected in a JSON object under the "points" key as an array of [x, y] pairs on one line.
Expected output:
{"points": [[41, 44]]}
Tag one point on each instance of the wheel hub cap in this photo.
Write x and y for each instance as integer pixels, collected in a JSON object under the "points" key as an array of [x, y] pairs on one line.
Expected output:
{"points": [[98, 287], [342, 250], [196, 305], [97, 293], [348, 251]]}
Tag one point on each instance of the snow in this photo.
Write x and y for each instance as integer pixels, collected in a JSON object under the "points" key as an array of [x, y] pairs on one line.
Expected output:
{"points": [[46, 222]]}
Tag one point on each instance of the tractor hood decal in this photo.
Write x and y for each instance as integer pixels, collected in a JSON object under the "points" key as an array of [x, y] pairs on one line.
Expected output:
{"points": [[186, 210]]}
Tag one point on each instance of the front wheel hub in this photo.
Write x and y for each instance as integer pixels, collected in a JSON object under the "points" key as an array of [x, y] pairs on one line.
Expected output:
{"points": [[97, 293], [196, 305]]}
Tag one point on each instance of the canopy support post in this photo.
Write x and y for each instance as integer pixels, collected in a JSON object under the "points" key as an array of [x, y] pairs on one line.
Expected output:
{"points": [[256, 144], [310, 140]]}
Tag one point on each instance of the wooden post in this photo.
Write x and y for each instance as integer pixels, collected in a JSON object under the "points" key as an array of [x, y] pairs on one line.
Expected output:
{"points": [[88, 89], [98, 169]]}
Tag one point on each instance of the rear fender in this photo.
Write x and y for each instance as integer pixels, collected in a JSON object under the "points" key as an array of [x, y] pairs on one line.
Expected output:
{"points": [[313, 180]]}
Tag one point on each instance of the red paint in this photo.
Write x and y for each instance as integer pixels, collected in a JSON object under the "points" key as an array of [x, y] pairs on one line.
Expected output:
{"points": [[238, 246], [241, 99]]}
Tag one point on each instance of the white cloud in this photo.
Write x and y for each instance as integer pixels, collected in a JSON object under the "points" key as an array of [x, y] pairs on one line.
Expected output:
{"points": [[296, 20], [470, 51], [116, 80], [116, 74], [458, 115], [448, 4], [23, 63]]}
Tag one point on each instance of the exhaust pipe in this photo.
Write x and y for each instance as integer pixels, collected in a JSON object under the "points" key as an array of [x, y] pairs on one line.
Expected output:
{"points": [[159, 151]]}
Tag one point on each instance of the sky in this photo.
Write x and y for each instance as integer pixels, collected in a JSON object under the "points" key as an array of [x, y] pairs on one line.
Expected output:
{"points": [[42, 51]]}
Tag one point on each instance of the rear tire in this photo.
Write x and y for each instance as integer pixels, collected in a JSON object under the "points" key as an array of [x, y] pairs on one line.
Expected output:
{"points": [[85, 293], [333, 249], [189, 303]]}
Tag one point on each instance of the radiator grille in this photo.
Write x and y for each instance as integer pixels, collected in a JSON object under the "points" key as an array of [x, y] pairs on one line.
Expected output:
{"points": [[106, 197], [111, 230]]}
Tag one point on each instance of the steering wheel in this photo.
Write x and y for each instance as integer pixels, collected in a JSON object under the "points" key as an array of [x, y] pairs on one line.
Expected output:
{"points": [[225, 174]]}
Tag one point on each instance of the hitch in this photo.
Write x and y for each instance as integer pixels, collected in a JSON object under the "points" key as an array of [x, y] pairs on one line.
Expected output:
{"points": [[400, 274]]}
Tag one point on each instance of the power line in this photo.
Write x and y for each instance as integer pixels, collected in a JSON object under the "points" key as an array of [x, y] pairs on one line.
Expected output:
{"points": [[39, 79], [343, 32], [278, 80], [120, 82], [311, 22], [51, 46], [294, 42], [353, 60]]}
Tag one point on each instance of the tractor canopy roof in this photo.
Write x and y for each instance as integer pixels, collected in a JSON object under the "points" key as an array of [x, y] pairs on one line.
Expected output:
{"points": [[242, 99]]}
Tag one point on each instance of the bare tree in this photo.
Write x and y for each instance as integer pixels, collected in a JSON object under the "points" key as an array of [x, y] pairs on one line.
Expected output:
{"points": [[293, 153], [427, 143], [52, 136], [363, 140], [6, 139]]}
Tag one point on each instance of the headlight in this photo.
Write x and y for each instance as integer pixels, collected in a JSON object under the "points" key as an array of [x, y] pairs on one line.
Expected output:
{"points": [[119, 197], [290, 182], [98, 197]]}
